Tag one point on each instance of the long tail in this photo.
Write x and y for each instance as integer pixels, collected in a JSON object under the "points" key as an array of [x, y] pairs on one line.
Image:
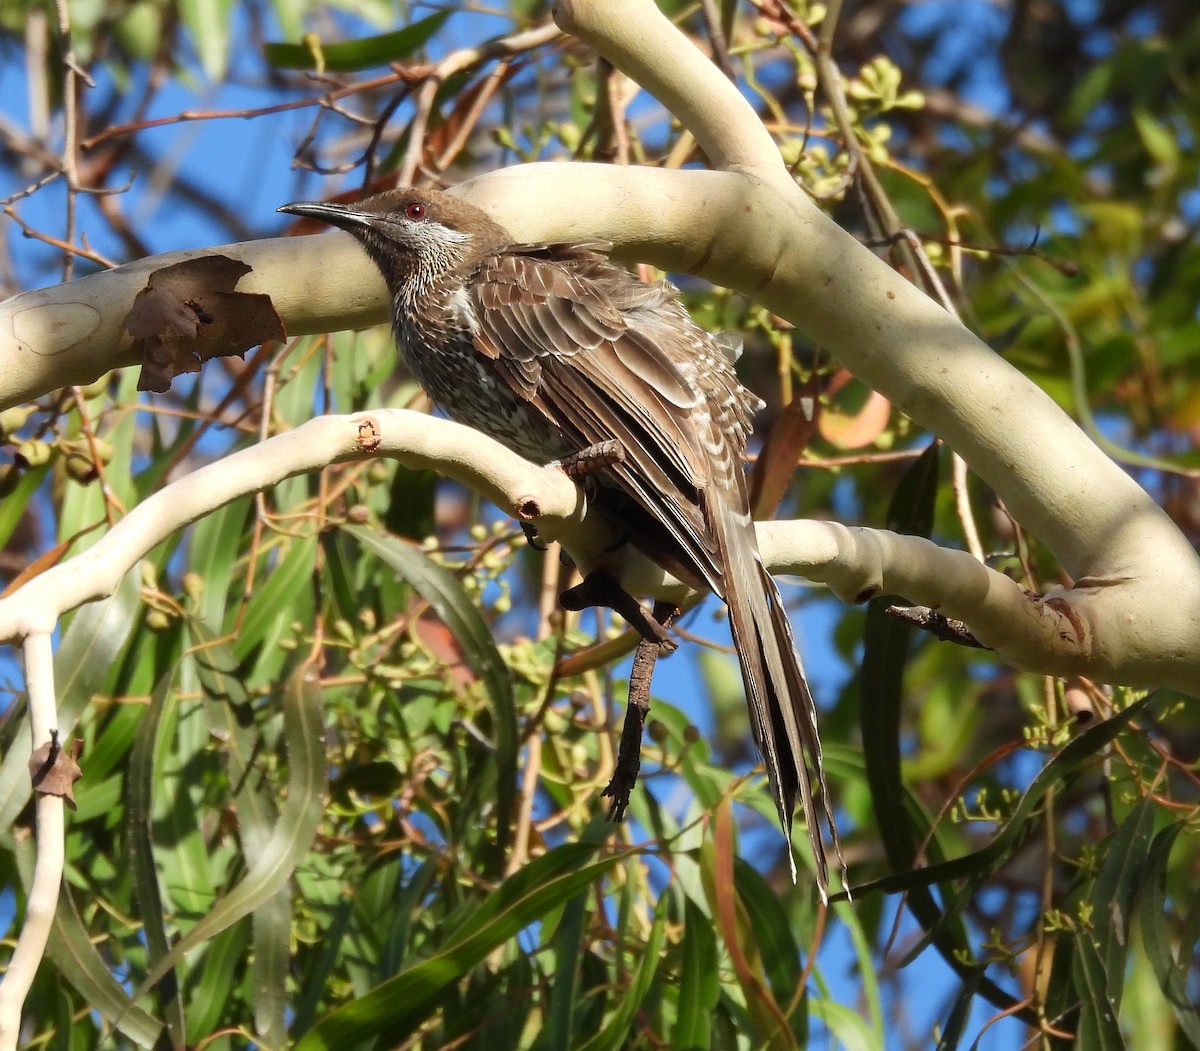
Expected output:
{"points": [[783, 714]]}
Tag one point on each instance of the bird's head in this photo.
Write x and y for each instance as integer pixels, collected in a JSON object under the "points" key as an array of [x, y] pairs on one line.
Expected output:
{"points": [[413, 236]]}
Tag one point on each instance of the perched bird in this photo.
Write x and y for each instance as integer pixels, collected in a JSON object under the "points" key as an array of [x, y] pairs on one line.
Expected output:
{"points": [[554, 351]]}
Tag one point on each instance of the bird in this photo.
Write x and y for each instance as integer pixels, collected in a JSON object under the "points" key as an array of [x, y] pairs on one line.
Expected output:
{"points": [[556, 351]]}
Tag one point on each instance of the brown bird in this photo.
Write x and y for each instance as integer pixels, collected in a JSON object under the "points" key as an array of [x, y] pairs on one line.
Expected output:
{"points": [[555, 351]]}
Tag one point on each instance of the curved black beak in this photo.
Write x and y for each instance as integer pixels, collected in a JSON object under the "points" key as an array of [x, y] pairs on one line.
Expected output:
{"points": [[335, 214]]}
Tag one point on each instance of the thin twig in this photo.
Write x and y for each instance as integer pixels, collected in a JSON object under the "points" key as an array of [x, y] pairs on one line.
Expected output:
{"points": [[31, 189], [616, 111], [36, 55], [416, 130], [485, 93], [187, 116], [716, 37], [111, 502], [962, 504], [54, 242], [367, 157], [859, 459], [71, 74]]}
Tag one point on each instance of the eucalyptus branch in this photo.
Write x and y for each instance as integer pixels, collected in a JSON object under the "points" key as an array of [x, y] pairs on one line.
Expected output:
{"points": [[51, 851], [1051, 633], [542, 496]]}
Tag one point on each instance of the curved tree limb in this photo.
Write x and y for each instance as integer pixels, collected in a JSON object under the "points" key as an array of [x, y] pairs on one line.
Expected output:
{"points": [[542, 495], [1046, 634]]}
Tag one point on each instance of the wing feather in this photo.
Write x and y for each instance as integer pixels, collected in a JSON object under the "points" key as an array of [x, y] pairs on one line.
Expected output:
{"points": [[552, 319]]}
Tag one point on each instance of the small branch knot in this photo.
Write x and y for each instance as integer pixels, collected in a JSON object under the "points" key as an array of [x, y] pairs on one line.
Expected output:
{"points": [[370, 435]]}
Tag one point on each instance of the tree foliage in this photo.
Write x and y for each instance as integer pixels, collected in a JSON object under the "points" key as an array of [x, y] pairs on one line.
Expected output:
{"points": [[341, 755]]}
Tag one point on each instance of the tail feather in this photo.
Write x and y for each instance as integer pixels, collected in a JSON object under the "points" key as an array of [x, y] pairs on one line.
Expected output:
{"points": [[783, 714]]}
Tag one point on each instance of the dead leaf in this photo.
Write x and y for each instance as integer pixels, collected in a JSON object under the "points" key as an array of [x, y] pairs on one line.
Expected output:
{"points": [[55, 769], [47, 559], [189, 313], [440, 641], [785, 443], [859, 429], [467, 108]]}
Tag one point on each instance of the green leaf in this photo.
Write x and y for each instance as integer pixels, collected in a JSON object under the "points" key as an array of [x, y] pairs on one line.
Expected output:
{"points": [[615, 1034], [98, 798], [212, 981], [80, 964], [340, 576], [1160, 141], [186, 859], [1062, 1005], [960, 1012], [139, 840], [773, 937], [568, 943], [699, 982], [110, 748], [850, 1029], [1156, 939], [1115, 888], [446, 596], [272, 924], [882, 677], [215, 542], [352, 55], [391, 1011], [1098, 1029], [295, 831], [314, 983], [279, 599], [14, 507], [232, 721], [208, 21], [411, 504]]}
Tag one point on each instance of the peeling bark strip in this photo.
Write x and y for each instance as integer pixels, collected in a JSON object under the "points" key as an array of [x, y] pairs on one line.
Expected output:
{"points": [[189, 313], [54, 769]]}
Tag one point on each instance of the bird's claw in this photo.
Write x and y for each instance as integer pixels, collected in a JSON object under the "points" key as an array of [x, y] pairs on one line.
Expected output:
{"points": [[586, 462], [532, 538], [599, 589]]}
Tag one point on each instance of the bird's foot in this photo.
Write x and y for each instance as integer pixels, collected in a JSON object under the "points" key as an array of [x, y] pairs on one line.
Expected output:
{"points": [[599, 589], [586, 462], [629, 755], [532, 538]]}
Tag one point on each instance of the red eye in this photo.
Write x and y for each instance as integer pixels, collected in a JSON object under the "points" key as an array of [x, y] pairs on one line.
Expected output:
{"points": [[414, 210]]}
